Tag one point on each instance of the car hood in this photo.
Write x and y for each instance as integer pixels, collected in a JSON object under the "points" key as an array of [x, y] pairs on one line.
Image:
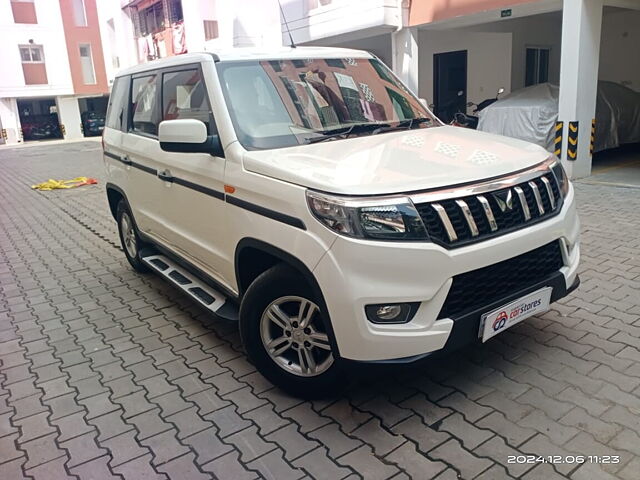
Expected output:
{"points": [[404, 161]]}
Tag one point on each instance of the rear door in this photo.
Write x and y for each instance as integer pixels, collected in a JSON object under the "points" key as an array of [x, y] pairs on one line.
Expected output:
{"points": [[142, 152], [118, 173], [192, 194]]}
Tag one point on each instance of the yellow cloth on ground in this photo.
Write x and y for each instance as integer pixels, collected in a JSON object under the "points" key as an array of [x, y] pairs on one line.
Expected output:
{"points": [[56, 184]]}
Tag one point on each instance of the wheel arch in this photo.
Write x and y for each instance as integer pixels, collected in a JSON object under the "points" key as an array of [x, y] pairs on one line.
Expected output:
{"points": [[114, 195], [253, 257]]}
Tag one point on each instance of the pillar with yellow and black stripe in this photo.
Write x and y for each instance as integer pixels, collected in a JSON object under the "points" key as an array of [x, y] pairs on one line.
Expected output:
{"points": [[579, 65], [558, 140]]}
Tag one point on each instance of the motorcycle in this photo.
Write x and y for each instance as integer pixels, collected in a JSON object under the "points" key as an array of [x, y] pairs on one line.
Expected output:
{"points": [[462, 119]]}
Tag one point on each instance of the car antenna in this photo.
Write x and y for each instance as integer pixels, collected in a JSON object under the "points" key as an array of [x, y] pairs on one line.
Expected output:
{"points": [[286, 24]]}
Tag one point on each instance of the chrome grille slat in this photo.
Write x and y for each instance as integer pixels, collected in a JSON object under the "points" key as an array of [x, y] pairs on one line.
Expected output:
{"points": [[468, 217], [444, 218], [475, 215], [547, 186], [536, 195], [523, 203], [488, 212]]}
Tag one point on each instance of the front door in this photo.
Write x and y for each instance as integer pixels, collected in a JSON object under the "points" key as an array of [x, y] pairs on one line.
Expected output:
{"points": [[192, 198], [450, 84]]}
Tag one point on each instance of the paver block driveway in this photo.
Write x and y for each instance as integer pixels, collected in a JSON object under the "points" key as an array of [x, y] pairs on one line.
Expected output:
{"points": [[105, 373]]}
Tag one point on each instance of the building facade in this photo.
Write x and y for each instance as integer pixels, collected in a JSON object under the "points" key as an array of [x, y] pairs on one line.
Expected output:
{"points": [[137, 31], [53, 83]]}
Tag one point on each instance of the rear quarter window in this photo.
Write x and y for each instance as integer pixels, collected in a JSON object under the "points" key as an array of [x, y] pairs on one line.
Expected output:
{"points": [[144, 105], [118, 100]]}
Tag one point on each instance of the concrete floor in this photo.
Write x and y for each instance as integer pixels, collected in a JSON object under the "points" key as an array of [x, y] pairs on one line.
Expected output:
{"points": [[618, 167]]}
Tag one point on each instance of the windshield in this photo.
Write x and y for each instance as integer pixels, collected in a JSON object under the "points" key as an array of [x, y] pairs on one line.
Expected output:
{"points": [[281, 103]]}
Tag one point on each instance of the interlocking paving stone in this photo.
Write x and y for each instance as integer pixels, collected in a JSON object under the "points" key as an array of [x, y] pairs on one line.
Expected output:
{"points": [[318, 464], [52, 470], [105, 373], [363, 461], [291, 441], [185, 468], [97, 469], [383, 441], [228, 465], [415, 464]]}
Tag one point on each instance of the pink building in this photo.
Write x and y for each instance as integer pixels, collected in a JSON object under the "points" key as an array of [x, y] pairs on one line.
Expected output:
{"points": [[53, 83]]}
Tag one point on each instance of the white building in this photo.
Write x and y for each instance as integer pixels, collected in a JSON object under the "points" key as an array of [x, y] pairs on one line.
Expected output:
{"points": [[53, 76], [136, 31]]}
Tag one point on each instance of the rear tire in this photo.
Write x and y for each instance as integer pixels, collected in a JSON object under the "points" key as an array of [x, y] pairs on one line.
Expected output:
{"points": [[129, 238], [283, 328]]}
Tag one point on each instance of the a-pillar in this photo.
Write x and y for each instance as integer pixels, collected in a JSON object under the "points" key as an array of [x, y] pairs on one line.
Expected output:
{"points": [[581, 26], [404, 47]]}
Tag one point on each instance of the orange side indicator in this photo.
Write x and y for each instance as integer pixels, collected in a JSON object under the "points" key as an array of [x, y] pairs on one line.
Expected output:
{"points": [[229, 189]]}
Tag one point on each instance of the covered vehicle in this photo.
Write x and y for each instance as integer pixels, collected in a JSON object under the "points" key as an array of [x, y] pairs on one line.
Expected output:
{"points": [[530, 114]]}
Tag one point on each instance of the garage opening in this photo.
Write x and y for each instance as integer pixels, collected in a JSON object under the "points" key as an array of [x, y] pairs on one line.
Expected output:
{"points": [[93, 111], [39, 119], [616, 159]]}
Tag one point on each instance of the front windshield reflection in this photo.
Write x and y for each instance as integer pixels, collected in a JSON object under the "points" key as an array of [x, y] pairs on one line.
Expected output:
{"points": [[281, 103]]}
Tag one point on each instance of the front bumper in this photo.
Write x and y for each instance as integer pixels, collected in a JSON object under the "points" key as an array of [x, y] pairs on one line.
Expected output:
{"points": [[355, 273]]}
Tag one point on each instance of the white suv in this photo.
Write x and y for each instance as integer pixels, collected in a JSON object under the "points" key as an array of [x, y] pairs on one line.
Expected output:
{"points": [[308, 194]]}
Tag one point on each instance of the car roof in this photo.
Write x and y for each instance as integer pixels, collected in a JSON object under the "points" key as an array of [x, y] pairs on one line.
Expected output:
{"points": [[239, 54]]}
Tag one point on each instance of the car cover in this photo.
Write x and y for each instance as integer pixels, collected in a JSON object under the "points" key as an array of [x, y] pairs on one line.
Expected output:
{"points": [[530, 114], [617, 116]]}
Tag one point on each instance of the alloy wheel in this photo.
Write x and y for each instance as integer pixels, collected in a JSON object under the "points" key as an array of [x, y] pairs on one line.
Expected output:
{"points": [[129, 235], [293, 335]]}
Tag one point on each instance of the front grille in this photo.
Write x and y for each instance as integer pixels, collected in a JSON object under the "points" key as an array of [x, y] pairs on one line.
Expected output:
{"points": [[459, 221], [472, 290]]}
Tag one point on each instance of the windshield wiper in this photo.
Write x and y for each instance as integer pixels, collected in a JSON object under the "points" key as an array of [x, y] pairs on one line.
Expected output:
{"points": [[409, 124], [346, 131]]}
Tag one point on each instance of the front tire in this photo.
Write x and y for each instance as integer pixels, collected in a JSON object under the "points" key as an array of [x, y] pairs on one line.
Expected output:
{"points": [[282, 326], [129, 238]]}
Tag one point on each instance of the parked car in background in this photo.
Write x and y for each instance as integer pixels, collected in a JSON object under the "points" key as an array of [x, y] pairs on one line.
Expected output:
{"points": [[309, 195], [92, 123], [530, 114], [41, 127]]}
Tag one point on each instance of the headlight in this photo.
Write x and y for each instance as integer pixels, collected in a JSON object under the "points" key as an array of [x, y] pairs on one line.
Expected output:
{"points": [[375, 218], [561, 178]]}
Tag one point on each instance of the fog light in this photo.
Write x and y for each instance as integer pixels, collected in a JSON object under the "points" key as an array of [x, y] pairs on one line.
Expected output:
{"points": [[391, 313], [388, 312]]}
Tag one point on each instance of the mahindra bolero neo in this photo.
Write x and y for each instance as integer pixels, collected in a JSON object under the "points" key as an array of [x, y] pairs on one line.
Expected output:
{"points": [[309, 195]]}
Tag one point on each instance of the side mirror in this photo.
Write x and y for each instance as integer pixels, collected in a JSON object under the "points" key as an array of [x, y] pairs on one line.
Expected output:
{"points": [[500, 91], [188, 136]]}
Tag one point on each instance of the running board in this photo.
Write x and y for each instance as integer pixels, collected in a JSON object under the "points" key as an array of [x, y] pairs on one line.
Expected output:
{"points": [[208, 297]]}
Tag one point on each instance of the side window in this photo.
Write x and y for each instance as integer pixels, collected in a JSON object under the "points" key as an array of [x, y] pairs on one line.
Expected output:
{"points": [[184, 95], [117, 109], [144, 105]]}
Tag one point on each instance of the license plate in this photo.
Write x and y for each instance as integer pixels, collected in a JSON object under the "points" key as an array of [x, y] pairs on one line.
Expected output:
{"points": [[499, 320]]}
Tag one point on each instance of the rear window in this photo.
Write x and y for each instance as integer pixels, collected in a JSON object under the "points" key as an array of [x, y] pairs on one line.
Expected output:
{"points": [[117, 109], [144, 105]]}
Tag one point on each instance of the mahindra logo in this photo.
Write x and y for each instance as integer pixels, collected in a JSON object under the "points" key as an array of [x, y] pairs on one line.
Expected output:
{"points": [[504, 200]]}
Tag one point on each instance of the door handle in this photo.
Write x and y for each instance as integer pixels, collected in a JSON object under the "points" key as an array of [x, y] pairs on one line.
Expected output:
{"points": [[165, 176]]}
